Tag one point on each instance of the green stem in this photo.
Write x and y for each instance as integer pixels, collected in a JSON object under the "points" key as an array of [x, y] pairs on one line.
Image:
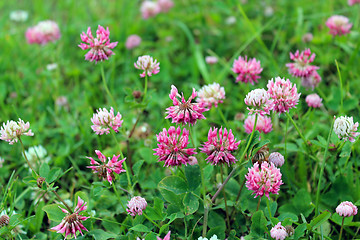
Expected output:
{"points": [[145, 88], [268, 205], [222, 116], [106, 87], [27, 160], [151, 220], [250, 139], [322, 170], [63, 202], [342, 226], [258, 205], [341, 87], [118, 196], [226, 207], [206, 214], [125, 166], [185, 226], [297, 128]]}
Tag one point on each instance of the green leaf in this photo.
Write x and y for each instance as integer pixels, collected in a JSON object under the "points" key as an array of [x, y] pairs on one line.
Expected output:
{"points": [[193, 176], [336, 218], [53, 174], [174, 184], [53, 212], [39, 215], [100, 234], [137, 167], [257, 147], [156, 212], [300, 231], [140, 228], [316, 222], [216, 220], [44, 170], [191, 203], [258, 224]]}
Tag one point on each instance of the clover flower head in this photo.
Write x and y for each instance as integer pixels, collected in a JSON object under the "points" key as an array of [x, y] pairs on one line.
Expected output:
{"points": [[284, 94], [147, 64], [184, 111], [211, 60], [263, 124], [314, 100], [301, 67], [260, 102], [311, 81], [211, 95], [136, 206], [172, 147], [307, 37], [72, 222], [165, 5], [103, 121], [352, 2], [277, 159], [220, 147], [264, 179], [100, 46], [346, 209], [106, 169], [132, 41], [338, 25], [278, 232], [149, 9], [19, 16], [43, 32], [248, 71], [345, 128], [12, 131]]}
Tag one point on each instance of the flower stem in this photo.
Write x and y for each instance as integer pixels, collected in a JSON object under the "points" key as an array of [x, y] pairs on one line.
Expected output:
{"points": [[258, 205], [125, 166], [341, 87], [341, 229], [250, 139], [268, 206], [322, 170], [226, 207], [61, 200], [106, 87], [118, 196], [145, 88], [27, 160], [222, 116], [297, 129], [206, 214], [151, 220]]}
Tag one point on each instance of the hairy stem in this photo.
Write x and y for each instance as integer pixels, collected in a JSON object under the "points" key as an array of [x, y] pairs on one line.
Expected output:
{"points": [[342, 226]]}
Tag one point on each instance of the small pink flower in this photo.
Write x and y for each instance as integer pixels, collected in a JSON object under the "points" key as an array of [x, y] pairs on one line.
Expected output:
{"points": [[277, 159], [147, 64], [278, 232], [107, 169], [210, 95], [132, 41], [313, 100], [220, 148], [184, 111], [338, 25], [301, 66], [43, 32], [12, 131], [248, 70], [284, 94], [260, 102], [311, 81], [265, 180], [136, 206], [103, 120], [352, 2], [165, 5], [172, 147], [263, 124], [307, 37], [211, 60], [149, 9], [167, 237], [72, 222], [346, 209], [192, 161], [345, 128], [100, 47]]}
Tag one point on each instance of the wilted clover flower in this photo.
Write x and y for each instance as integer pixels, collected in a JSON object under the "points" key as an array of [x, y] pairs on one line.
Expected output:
{"points": [[12, 131], [147, 64], [220, 148], [72, 222], [338, 25], [172, 147], [167, 237], [248, 71], [301, 66], [346, 129], [136, 206], [346, 209], [106, 170], [100, 47], [284, 94], [259, 102], [103, 120], [263, 124], [278, 232], [264, 179], [43, 32], [313, 100], [184, 111], [211, 94], [277, 159]]}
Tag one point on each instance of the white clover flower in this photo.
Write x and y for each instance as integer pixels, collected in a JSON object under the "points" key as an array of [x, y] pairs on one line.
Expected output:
{"points": [[19, 16], [345, 128], [37, 155], [11, 131]]}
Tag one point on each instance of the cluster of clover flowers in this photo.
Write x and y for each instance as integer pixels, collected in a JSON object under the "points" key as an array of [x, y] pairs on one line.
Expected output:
{"points": [[263, 178]]}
